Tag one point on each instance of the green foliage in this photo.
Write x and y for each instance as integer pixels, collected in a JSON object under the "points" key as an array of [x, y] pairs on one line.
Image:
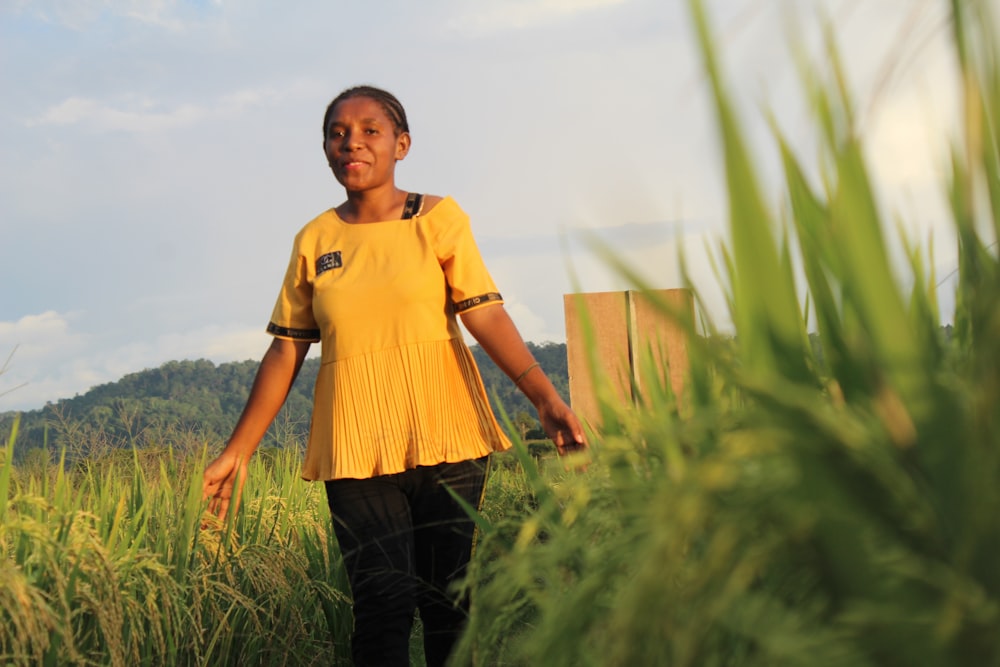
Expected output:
{"points": [[181, 403], [185, 404], [798, 506], [112, 565], [111, 561]]}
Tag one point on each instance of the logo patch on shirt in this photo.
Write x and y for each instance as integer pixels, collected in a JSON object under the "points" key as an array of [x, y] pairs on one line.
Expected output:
{"points": [[330, 260]]}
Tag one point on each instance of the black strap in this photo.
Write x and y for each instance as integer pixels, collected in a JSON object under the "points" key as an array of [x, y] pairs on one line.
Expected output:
{"points": [[414, 202]]}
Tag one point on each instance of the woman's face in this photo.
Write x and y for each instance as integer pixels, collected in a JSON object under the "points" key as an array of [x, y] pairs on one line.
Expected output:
{"points": [[362, 145]]}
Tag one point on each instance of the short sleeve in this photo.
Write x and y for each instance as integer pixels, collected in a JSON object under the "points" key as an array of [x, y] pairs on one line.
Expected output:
{"points": [[292, 317], [468, 279]]}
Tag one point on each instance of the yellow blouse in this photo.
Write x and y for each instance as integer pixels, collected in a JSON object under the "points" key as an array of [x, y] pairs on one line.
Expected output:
{"points": [[397, 386]]}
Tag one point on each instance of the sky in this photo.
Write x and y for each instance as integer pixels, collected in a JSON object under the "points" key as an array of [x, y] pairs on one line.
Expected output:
{"points": [[158, 156]]}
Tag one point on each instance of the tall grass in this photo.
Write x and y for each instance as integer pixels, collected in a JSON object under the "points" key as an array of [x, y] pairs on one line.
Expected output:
{"points": [[802, 508], [105, 565], [109, 560]]}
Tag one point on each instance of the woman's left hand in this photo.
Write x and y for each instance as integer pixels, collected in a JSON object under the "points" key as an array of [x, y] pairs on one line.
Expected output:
{"points": [[496, 333], [562, 427]]}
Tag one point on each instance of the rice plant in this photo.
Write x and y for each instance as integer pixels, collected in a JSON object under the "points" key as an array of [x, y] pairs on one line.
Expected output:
{"points": [[798, 507], [103, 565]]}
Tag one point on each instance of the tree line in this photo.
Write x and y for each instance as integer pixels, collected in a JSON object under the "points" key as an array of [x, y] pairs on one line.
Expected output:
{"points": [[203, 400]]}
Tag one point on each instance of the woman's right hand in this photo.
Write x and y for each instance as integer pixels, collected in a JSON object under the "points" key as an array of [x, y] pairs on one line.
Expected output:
{"points": [[222, 483], [224, 477]]}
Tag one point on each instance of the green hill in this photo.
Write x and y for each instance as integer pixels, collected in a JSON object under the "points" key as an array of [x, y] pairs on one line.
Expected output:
{"points": [[201, 401]]}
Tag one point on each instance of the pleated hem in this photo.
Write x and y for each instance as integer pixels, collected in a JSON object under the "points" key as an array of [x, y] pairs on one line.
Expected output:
{"points": [[389, 411]]}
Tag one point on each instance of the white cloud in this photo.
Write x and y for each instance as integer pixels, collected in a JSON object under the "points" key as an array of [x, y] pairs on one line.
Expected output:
{"points": [[140, 118], [80, 15], [217, 342], [50, 359], [520, 14], [152, 12], [36, 337], [140, 114], [532, 326], [41, 349]]}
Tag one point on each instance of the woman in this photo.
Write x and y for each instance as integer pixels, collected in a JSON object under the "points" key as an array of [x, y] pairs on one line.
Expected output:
{"points": [[400, 414]]}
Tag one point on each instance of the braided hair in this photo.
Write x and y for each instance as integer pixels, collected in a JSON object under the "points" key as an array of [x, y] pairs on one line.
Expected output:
{"points": [[393, 109]]}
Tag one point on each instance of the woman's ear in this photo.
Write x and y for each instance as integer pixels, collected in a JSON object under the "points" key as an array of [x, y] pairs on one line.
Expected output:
{"points": [[402, 145]]}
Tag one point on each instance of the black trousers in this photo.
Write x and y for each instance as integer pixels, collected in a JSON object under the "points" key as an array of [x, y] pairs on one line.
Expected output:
{"points": [[405, 540]]}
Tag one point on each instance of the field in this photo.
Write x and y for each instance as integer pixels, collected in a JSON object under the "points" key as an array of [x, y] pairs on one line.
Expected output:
{"points": [[111, 561], [796, 506]]}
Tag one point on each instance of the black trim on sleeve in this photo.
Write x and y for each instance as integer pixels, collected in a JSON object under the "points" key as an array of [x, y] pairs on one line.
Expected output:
{"points": [[297, 334], [477, 300]]}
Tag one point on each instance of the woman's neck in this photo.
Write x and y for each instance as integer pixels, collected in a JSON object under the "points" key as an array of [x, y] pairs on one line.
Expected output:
{"points": [[372, 206]]}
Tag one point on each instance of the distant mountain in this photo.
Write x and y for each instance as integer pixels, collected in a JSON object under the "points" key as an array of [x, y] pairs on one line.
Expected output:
{"points": [[203, 399]]}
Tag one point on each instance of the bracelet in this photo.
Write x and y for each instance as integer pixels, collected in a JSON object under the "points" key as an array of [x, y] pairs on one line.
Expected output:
{"points": [[525, 372]]}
